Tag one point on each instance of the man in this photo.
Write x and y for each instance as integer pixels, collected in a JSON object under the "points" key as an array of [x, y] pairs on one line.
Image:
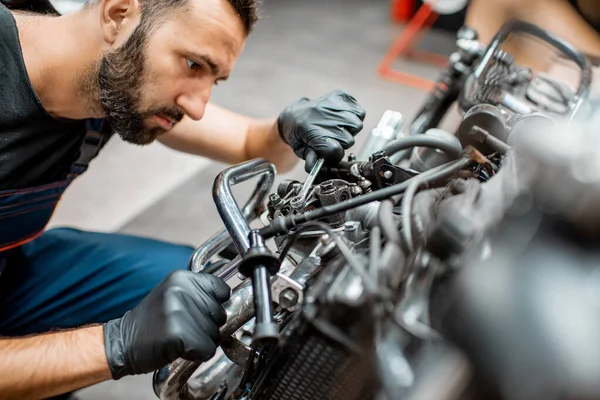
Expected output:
{"points": [[77, 308]]}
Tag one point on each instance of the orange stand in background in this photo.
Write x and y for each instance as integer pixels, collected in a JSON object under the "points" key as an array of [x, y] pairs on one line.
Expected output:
{"points": [[402, 10], [417, 26]]}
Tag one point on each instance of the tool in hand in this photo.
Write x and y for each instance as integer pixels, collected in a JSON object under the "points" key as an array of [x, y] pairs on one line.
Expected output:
{"points": [[260, 264], [299, 200]]}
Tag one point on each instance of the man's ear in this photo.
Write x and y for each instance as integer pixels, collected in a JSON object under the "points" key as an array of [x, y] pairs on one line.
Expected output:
{"points": [[118, 17]]}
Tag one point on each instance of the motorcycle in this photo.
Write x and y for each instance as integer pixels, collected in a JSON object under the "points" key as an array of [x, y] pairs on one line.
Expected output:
{"points": [[365, 280]]}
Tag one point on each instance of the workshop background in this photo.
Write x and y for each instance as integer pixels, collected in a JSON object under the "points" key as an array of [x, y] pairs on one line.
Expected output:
{"points": [[299, 48]]}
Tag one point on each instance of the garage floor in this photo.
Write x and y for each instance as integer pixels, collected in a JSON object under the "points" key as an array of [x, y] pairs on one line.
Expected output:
{"points": [[300, 48]]}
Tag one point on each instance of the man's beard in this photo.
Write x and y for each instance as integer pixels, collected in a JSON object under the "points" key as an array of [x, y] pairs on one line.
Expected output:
{"points": [[120, 77]]}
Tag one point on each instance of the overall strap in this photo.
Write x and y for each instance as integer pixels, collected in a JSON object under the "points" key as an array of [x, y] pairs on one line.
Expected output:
{"points": [[95, 138], [26, 212]]}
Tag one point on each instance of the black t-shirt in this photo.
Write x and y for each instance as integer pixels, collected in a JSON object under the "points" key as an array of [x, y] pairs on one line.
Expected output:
{"points": [[588, 18], [35, 147]]}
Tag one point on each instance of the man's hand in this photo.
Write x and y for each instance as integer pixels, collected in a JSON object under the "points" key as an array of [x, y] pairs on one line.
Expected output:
{"points": [[179, 318], [321, 128]]}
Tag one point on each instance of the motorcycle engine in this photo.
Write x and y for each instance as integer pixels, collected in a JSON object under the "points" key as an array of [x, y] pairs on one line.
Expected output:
{"points": [[361, 276]]}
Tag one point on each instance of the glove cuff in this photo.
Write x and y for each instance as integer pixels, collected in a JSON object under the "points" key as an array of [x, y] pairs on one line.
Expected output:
{"points": [[280, 131], [113, 345]]}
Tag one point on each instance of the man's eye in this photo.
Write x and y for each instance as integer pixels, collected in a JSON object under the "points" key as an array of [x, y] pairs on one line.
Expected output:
{"points": [[194, 65]]}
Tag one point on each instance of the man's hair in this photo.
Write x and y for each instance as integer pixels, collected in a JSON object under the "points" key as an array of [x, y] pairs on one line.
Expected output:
{"points": [[247, 10], [154, 10]]}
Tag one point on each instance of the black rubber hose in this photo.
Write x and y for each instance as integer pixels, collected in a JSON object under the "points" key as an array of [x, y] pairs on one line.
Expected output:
{"points": [[282, 225], [451, 148], [407, 212], [385, 219], [435, 175], [212, 268], [375, 253]]}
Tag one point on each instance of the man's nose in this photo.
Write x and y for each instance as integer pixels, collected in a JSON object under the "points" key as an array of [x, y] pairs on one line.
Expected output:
{"points": [[194, 99]]}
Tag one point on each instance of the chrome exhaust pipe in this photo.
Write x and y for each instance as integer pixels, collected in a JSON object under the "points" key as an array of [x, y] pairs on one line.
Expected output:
{"points": [[222, 373], [170, 382]]}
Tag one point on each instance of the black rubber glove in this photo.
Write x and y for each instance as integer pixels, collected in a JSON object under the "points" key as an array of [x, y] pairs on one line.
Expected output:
{"points": [[321, 128], [179, 318]]}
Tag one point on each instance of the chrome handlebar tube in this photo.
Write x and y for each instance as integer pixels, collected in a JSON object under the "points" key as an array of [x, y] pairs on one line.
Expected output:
{"points": [[170, 382]]}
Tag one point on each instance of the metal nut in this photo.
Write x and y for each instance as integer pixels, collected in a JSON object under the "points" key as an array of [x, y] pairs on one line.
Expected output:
{"points": [[388, 174], [327, 187], [288, 298], [326, 239], [274, 199], [355, 190], [364, 184]]}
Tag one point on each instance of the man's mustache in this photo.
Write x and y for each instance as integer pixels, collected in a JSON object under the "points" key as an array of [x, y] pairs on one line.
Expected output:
{"points": [[173, 113]]}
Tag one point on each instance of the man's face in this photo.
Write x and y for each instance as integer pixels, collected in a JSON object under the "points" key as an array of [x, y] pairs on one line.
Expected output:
{"points": [[156, 77]]}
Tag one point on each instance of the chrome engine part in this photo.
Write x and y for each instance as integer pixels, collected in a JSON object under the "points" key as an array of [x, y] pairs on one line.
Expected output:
{"points": [[375, 262]]}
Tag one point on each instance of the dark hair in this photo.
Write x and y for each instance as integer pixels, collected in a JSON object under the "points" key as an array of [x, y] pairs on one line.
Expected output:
{"points": [[247, 10], [154, 10]]}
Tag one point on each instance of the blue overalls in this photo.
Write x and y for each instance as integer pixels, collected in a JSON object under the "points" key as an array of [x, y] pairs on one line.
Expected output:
{"points": [[65, 278]]}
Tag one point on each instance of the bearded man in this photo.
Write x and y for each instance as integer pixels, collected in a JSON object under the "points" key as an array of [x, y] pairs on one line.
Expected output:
{"points": [[78, 308]]}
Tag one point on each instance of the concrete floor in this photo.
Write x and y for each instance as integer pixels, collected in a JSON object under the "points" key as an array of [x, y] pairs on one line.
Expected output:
{"points": [[300, 48]]}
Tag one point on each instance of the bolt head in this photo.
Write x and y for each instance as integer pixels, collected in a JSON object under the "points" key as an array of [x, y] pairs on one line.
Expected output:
{"points": [[274, 198], [355, 190], [364, 184], [325, 240], [327, 186], [288, 298]]}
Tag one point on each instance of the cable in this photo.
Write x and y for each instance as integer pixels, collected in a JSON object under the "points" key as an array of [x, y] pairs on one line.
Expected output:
{"points": [[429, 177], [437, 174], [293, 239], [212, 268], [407, 212], [282, 225], [385, 218], [375, 253], [451, 148]]}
